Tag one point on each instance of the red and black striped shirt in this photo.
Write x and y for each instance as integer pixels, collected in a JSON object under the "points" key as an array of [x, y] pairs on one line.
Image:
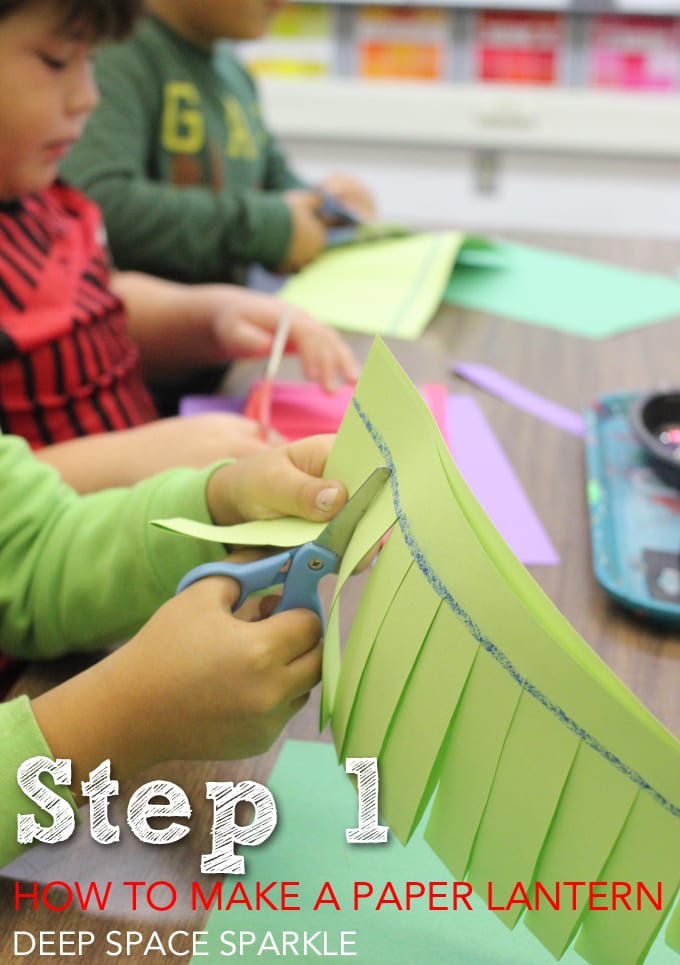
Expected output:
{"points": [[67, 365]]}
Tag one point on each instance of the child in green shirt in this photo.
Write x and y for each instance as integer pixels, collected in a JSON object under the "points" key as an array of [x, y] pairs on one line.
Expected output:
{"points": [[80, 572], [192, 183]]}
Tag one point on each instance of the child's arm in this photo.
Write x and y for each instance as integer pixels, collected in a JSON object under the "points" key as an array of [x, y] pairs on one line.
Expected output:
{"points": [[81, 572], [91, 463], [196, 682], [180, 328], [192, 232]]}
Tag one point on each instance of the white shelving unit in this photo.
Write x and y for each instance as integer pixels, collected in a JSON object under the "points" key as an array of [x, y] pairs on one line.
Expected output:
{"points": [[565, 157]]}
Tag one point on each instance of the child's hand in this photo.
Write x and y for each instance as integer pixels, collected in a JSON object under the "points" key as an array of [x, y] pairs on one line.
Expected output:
{"points": [[245, 323], [280, 482], [326, 357], [196, 683], [352, 193], [308, 234], [227, 687]]}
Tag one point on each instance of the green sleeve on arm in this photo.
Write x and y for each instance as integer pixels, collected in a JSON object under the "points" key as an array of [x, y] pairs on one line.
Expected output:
{"points": [[187, 233], [80, 572], [20, 739]]}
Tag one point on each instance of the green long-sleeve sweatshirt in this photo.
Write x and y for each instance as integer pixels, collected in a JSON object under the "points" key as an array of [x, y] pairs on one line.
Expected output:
{"points": [[76, 573], [180, 161]]}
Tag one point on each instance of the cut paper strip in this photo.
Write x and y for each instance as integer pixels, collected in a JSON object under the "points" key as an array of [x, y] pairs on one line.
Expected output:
{"points": [[390, 288], [411, 754], [585, 830], [488, 473], [316, 802], [302, 409], [560, 291], [271, 532], [517, 817], [395, 651], [499, 385]]}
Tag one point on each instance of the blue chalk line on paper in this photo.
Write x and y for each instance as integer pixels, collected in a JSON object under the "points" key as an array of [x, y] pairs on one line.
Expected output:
{"points": [[489, 646]]}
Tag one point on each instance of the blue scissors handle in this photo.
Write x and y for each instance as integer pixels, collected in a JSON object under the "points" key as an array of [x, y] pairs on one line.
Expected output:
{"points": [[308, 565]]}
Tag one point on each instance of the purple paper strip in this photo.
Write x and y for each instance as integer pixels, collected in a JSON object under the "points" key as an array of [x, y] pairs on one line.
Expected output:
{"points": [[503, 387], [197, 404], [487, 471]]}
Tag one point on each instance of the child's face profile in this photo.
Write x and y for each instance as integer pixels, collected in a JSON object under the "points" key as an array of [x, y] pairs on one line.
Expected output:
{"points": [[47, 92], [211, 20]]}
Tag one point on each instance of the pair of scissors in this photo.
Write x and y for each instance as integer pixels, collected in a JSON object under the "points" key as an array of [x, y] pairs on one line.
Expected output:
{"points": [[334, 210], [259, 404], [299, 569]]}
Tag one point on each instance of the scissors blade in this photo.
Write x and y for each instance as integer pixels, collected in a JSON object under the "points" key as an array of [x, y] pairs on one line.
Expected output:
{"points": [[337, 534]]}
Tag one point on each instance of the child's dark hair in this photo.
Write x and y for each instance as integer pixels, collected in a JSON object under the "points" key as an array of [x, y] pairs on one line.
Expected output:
{"points": [[96, 20]]}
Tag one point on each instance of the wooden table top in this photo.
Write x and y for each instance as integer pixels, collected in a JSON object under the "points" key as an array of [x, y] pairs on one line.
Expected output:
{"points": [[550, 466]]}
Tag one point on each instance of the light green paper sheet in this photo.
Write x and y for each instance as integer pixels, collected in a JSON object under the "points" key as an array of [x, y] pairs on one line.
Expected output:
{"points": [[469, 763], [364, 540], [673, 929], [383, 583], [389, 288], [410, 754], [394, 654], [560, 291], [525, 652], [316, 802], [619, 937], [518, 814], [527, 647]]}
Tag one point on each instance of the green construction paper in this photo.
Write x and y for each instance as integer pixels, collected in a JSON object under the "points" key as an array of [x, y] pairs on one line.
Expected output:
{"points": [[369, 531], [330, 667], [583, 833], [620, 937], [525, 652], [287, 531], [393, 655], [316, 802], [546, 615], [574, 295], [535, 635], [525, 645], [519, 814], [390, 288], [470, 759], [414, 742], [539, 637], [383, 583]]}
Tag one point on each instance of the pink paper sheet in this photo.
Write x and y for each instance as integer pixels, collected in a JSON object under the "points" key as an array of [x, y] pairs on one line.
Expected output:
{"points": [[304, 409]]}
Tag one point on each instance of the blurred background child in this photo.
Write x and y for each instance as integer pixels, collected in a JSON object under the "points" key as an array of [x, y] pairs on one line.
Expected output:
{"points": [[192, 183]]}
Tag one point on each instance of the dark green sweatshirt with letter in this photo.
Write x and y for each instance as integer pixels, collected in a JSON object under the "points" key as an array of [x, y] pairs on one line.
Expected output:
{"points": [[180, 161]]}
